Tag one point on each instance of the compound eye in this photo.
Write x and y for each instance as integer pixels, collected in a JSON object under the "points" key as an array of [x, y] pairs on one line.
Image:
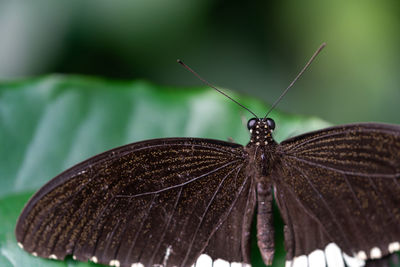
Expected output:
{"points": [[271, 123], [251, 123]]}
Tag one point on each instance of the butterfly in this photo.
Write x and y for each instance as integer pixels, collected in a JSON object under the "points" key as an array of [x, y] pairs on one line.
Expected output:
{"points": [[191, 201]]}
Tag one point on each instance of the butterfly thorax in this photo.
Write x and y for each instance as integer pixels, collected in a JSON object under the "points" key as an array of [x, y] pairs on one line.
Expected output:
{"points": [[261, 147]]}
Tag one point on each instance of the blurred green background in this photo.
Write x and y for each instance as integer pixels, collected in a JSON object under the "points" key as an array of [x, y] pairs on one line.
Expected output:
{"points": [[254, 47]]}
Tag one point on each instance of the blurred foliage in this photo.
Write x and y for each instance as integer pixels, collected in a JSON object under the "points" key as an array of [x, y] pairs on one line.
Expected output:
{"points": [[253, 47]]}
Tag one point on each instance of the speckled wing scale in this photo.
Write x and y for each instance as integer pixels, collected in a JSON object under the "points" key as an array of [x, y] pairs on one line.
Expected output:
{"points": [[162, 201], [190, 202], [341, 187]]}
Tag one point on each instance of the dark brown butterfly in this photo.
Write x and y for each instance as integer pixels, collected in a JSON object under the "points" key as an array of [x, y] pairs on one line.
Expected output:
{"points": [[190, 201]]}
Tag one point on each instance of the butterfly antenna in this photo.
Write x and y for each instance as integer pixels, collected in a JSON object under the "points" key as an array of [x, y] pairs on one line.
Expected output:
{"points": [[297, 77], [212, 86]]}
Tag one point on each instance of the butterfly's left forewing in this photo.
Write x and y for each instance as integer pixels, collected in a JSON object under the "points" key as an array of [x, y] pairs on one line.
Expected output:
{"points": [[338, 190], [162, 201]]}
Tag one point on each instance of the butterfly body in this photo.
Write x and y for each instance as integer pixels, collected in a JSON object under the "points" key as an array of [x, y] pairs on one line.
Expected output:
{"points": [[261, 150]]}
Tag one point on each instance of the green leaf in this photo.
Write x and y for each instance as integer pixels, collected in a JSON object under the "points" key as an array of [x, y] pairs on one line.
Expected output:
{"points": [[49, 124]]}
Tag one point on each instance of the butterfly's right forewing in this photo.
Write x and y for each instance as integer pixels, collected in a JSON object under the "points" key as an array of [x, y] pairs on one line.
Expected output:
{"points": [[153, 202]]}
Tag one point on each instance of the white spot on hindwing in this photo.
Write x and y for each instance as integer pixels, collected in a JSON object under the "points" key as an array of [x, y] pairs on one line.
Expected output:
{"points": [[239, 264], [220, 263], [375, 253], [393, 247], [300, 261], [353, 261], [361, 255], [204, 260], [34, 254], [115, 263], [94, 259], [333, 256], [137, 264], [20, 245], [316, 258], [74, 257], [53, 257]]}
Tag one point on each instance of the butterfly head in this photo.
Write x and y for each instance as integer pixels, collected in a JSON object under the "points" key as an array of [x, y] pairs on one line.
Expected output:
{"points": [[261, 130]]}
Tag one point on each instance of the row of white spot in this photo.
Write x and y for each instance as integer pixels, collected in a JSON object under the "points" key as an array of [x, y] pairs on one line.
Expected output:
{"points": [[333, 257], [204, 261], [116, 263]]}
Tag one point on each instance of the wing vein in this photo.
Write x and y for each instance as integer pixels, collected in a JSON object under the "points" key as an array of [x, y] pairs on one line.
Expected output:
{"points": [[139, 231], [179, 185], [353, 194], [392, 219], [333, 134], [373, 175], [202, 145], [204, 214], [166, 226], [290, 219], [104, 209], [325, 204], [48, 218]]}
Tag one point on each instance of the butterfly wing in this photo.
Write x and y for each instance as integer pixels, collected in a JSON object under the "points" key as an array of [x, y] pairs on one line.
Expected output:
{"points": [[340, 188], [162, 201]]}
